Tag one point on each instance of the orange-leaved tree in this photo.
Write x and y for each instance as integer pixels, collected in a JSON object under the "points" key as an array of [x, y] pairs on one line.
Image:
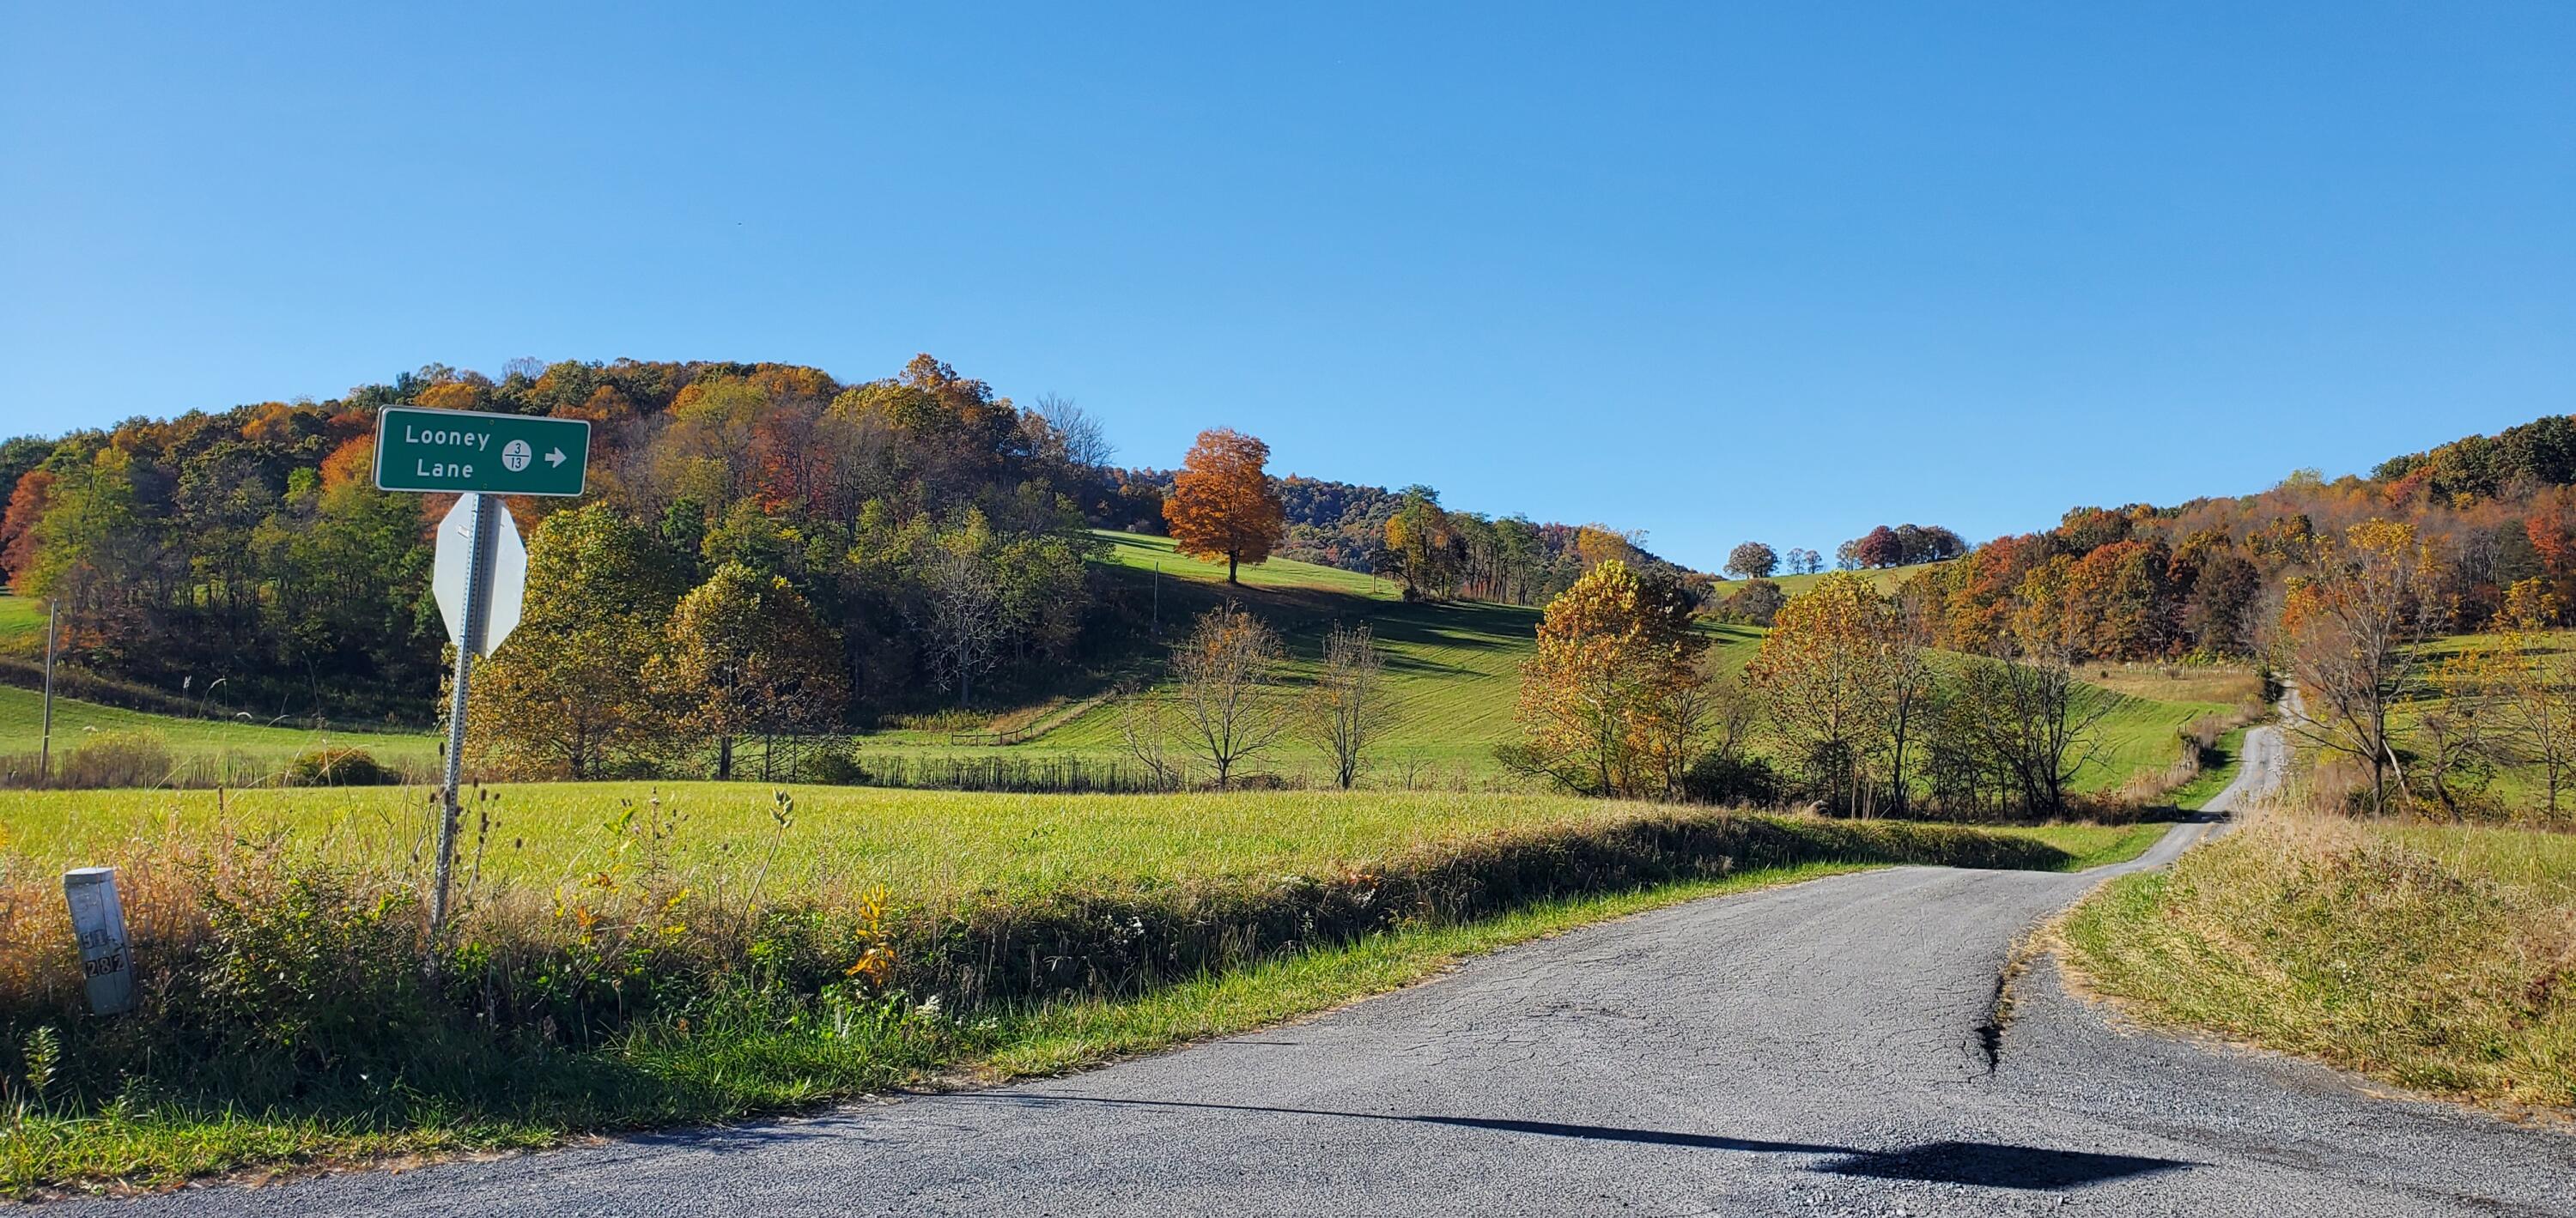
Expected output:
{"points": [[1602, 701], [1222, 501]]}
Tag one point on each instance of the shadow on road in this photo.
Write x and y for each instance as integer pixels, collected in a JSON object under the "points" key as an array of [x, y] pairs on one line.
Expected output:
{"points": [[1996, 1165], [1989, 1164]]}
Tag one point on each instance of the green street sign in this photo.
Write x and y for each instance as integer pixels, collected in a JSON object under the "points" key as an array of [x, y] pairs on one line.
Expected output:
{"points": [[468, 451]]}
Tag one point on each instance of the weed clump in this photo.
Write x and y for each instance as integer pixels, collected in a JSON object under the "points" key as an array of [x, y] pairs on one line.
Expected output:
{"points": [[116, 759], [329, 767]]}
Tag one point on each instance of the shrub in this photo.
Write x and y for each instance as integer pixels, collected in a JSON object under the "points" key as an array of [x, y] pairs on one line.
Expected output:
{"points": [[312, 962], [1720, 779], [831, 766], [327, 767], [116, 759]]}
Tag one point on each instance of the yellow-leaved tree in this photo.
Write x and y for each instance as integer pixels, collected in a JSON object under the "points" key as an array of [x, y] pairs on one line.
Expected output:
{"points": [[1607, 703], [746, 656], [565, 697], [1833, 669]]}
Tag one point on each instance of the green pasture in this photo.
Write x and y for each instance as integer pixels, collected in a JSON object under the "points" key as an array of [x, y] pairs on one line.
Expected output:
{"points": [[258, 749], [2139, 734], [1885, 579], [22, 626], [926, 845], [2521, 788]]}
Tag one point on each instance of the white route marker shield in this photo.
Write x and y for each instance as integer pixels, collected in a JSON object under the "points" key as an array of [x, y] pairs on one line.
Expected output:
{"points": [[506, 587]]}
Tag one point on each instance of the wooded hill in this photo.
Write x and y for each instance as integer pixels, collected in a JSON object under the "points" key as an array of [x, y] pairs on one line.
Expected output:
{"points": [[934, 533]]}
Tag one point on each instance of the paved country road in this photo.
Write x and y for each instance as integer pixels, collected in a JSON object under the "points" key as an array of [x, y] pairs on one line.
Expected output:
{"points": [[1825, 1048]]}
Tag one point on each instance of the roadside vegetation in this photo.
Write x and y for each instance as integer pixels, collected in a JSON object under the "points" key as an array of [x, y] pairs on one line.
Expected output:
{"points": [[622, 962], [2440, 958]]}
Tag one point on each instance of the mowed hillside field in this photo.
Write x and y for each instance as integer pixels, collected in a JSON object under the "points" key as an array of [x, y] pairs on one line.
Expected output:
{"points": [[1452, 676]]}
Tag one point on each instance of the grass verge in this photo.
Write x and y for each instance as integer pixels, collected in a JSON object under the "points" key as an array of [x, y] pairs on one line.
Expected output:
{"points": [[2450, 970]]}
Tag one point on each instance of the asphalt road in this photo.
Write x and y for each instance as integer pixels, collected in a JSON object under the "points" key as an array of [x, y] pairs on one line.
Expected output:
{"points": [[1826, 1048]]}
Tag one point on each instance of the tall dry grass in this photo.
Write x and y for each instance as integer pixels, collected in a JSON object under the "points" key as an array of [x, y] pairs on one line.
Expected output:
{"points": [[2337, 939]]}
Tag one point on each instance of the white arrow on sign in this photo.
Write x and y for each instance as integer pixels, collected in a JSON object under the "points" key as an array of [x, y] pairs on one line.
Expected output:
{"points": [[505, 589], [556, 457]]}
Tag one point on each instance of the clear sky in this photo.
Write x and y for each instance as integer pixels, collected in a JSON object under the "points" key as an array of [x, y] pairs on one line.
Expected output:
{"points": [[1711, 270]]}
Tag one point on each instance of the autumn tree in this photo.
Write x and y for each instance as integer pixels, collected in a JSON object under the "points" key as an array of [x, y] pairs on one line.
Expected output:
{"points": [[1604, 701], [565, 696], [2350, 626], [1421, 546], [1222, 502], [2032, 720], [745, 655], [1831, 672], [28, 499], [1348, 709], [966, 612], [1879, 547], [1226, 692], [1757, 603], [1752, 560], [2523, 684], [1595, 544]]}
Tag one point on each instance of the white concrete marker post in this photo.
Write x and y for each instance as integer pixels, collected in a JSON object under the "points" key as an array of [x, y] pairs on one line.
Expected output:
{"points": [[98, 921]]}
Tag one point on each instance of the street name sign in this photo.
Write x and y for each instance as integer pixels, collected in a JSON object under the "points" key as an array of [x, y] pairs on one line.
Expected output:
{"points": [[504, 584], [469, 452]]}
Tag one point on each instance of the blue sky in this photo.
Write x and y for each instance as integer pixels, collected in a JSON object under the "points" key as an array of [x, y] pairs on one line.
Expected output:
{"points": [[1715, 271]]}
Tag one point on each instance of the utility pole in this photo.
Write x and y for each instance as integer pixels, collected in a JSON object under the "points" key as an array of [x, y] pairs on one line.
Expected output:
{"points": [[1158, 599], [45, 747]]}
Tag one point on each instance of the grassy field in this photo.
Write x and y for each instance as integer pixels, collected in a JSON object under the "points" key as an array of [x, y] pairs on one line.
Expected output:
{"points": [[1453, 670], [22, 626], [1454, 674], [255, 750], [729, 1031], [933, 846], [2519, 790], [2437, 958]]}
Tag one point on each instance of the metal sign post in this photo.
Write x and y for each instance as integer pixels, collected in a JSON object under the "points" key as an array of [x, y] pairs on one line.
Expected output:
{"points": [[483, 521]]}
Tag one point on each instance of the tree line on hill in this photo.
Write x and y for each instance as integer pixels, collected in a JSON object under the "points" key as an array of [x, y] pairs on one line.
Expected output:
{"points": [[2207, 577], [929, 533], [252, 546], [2339, 584]]}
